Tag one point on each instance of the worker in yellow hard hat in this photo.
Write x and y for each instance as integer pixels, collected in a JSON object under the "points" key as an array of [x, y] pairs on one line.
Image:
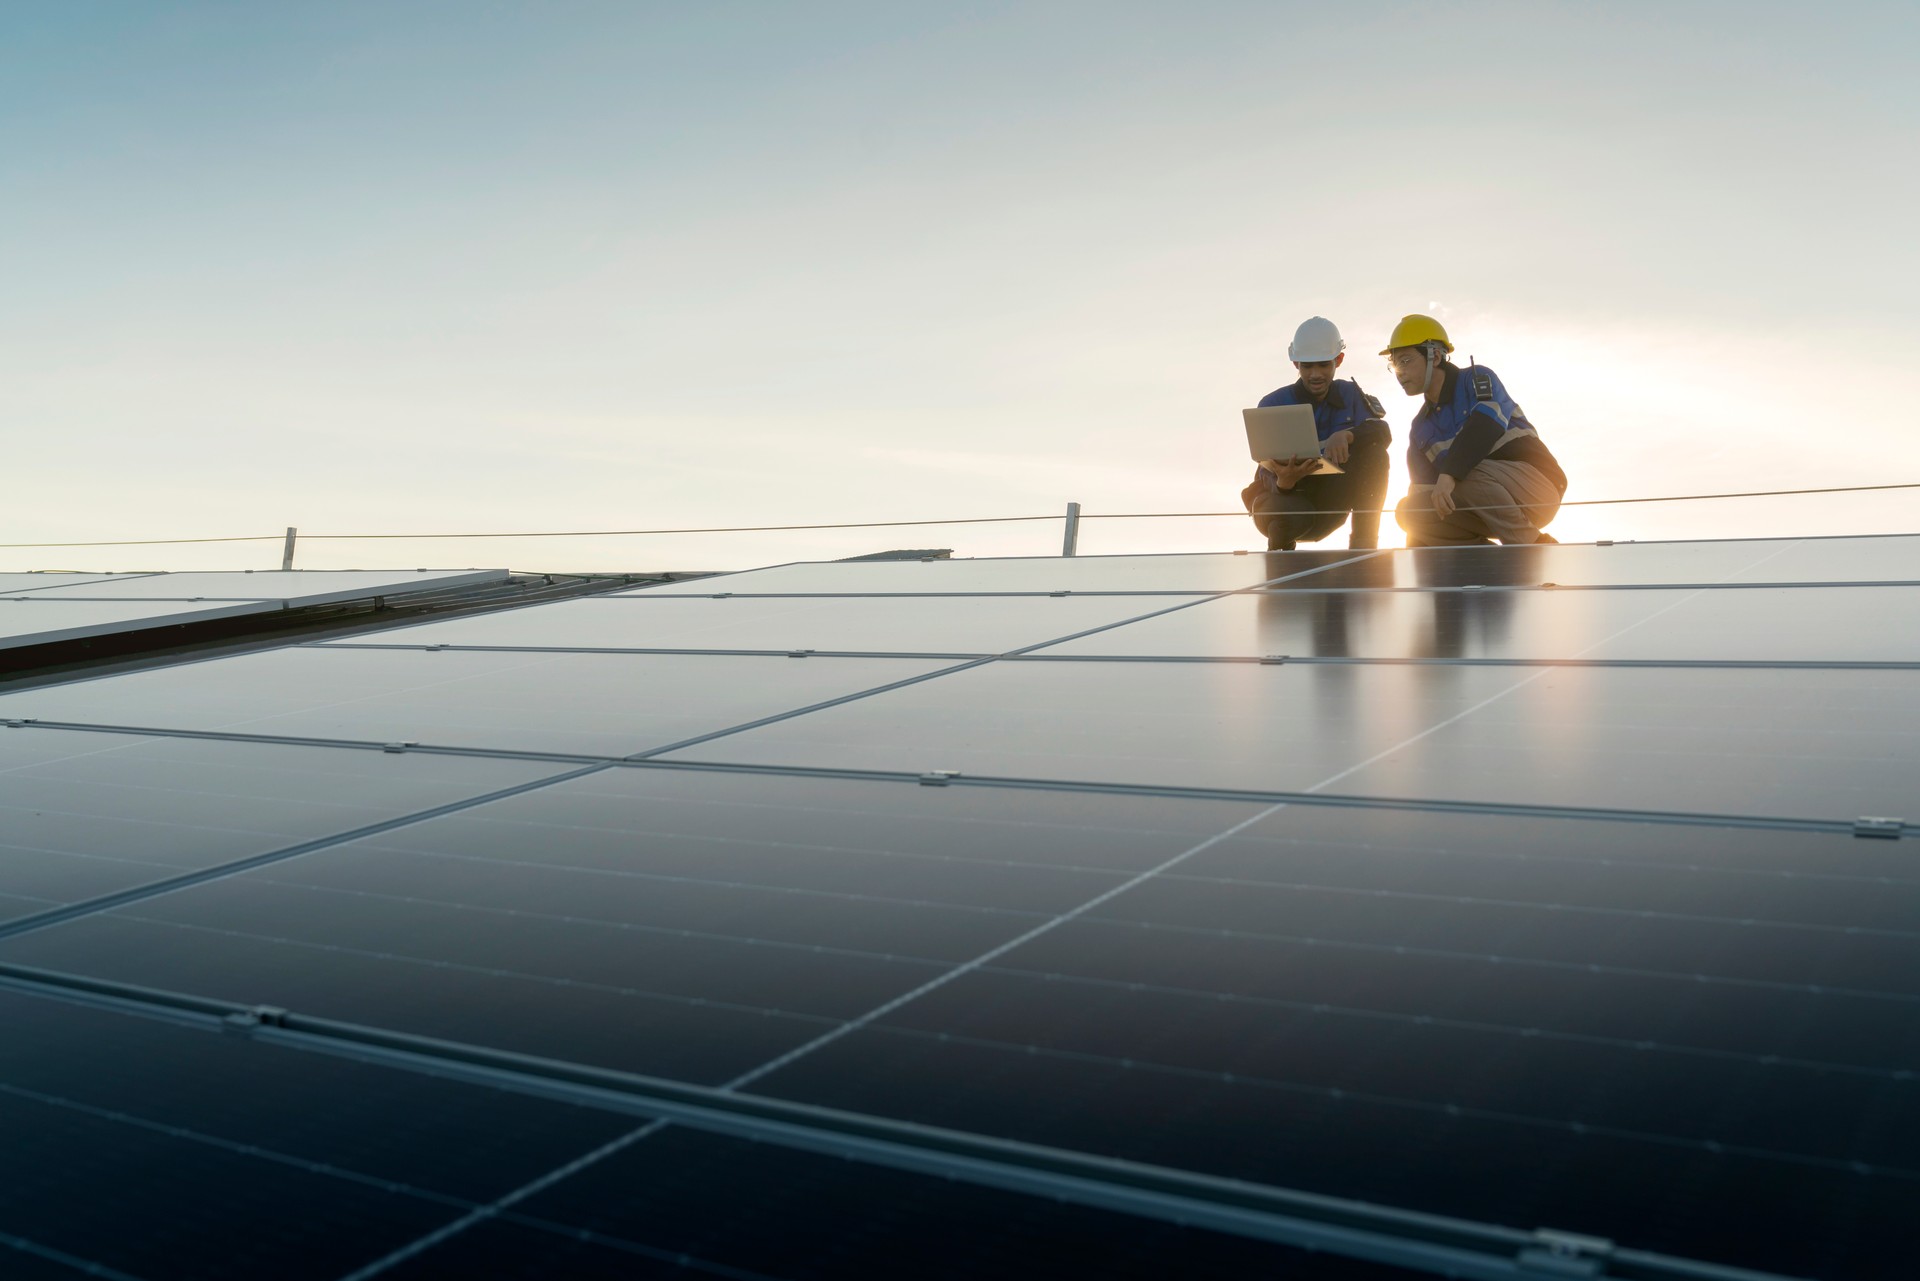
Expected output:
{"points": [[1480, 470]]}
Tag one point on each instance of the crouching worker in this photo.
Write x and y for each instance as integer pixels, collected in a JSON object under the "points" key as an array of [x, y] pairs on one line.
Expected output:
{"points": [[1480, 471], [1289, 503]]}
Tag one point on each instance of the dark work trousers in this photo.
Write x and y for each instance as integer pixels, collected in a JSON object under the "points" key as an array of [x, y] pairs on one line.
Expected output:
{"points": [[1360, 488]]}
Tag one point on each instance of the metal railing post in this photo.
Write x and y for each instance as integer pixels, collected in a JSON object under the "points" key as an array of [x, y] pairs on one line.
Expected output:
{"points": [[1072, 544], [286, 554]]}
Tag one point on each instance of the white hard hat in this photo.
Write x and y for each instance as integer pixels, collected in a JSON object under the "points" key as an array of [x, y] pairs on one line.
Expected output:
{"points": [[1317, 339]]}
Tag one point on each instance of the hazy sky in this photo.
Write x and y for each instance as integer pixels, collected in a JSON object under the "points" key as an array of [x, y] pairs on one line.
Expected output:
{"points": [[408, 266]]}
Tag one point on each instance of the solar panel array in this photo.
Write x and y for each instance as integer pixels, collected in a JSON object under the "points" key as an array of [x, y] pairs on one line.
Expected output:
{"points": [[41, 609], [1480, 912]]}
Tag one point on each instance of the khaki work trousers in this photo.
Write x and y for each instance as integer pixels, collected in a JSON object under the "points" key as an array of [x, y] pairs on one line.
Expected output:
{"points": [[1518, 497]]}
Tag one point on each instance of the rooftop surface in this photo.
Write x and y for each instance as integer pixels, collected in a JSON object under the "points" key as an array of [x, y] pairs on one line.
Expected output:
{"points": [[1479, 912]]}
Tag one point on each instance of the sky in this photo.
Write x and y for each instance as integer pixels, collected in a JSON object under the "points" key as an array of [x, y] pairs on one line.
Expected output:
{"points": [[418, 267]]}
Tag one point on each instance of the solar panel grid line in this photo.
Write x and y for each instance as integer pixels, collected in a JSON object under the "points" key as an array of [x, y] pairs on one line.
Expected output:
{"points": [[1639, 1045], [1016, 656], [1561, 1125], [1445, 589], [1642, 1264], [482, 1213], [1422, 1242], [1376, 893], [82, 580], [88, 1267], [622, 597], [1708, 818], [987, 910], [305, 740], [781, 1061], [705, 738], [1348, 660], [958, 655], [527, 976], [1438, 805], [653, 595], [1128, 1198], [253, 1151], [1866, 1071], [175, 884], [145, 1004]]}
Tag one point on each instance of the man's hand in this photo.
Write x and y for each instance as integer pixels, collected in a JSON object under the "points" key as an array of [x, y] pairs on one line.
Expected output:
{"points": [[1289, 472], [1443, 504], [1336, 447]]}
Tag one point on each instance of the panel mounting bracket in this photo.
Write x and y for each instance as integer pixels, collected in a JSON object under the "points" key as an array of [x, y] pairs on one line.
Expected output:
{"points": [[1565, 1254], [246, 1021], [1275, 659], [400, 747], [1885, 828], [938, 777]]}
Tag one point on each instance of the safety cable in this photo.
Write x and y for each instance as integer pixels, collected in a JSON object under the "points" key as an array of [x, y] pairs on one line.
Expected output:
{"points": [[962, 520]]}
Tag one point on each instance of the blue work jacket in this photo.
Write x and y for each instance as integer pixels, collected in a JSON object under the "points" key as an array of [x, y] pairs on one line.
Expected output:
{"points": [[1346, 408], [1474, 420]]}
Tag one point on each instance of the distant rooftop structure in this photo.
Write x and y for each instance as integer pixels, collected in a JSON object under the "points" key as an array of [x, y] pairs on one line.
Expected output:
{"points": [[1479, 912], [911, 553]]}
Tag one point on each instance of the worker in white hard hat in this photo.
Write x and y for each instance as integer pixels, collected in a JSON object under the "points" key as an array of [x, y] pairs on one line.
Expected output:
{"points": [[1292, 500], [1480, 470]]}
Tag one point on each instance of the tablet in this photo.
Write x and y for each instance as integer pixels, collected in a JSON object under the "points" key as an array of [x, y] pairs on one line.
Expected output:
{"points": [[1283, 432]]}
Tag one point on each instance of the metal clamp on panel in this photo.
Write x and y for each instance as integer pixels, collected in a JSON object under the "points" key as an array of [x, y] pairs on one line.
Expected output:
{"points": [[719, 595], [245, 1021], [1565, 1254], [21, 722], [1603, 542], [400, 747], [1276, 658], [798, 653], [938, 777], [1886, 828], [1059, 593]]}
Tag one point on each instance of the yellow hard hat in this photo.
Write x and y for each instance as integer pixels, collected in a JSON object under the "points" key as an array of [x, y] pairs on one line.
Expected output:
{"points": [[1414, 330]]}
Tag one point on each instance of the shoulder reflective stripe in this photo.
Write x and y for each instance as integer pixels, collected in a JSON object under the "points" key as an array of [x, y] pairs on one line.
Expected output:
{"points": [[1507, 437], [1492, 410]]}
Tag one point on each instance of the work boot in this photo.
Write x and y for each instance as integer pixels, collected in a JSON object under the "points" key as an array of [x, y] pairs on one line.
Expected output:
{"points": [[1365, 534]]}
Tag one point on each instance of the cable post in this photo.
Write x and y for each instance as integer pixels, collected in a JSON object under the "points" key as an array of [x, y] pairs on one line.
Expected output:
{"points": [[286, 553], [1071, 545]]}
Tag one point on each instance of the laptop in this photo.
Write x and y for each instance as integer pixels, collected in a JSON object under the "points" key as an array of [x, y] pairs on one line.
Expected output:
{"points": [[1283, 432]]}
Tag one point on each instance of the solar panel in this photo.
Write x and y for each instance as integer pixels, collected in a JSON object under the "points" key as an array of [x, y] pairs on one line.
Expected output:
{"points": [[47, 617], [16, 584], [964, 625], [294, 586], [1395, 906], [1178, 574], [43, 609]]}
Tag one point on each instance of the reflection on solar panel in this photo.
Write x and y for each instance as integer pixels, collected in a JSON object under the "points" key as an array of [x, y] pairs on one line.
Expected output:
{"points": [[40, 609], [1483, 912]]}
